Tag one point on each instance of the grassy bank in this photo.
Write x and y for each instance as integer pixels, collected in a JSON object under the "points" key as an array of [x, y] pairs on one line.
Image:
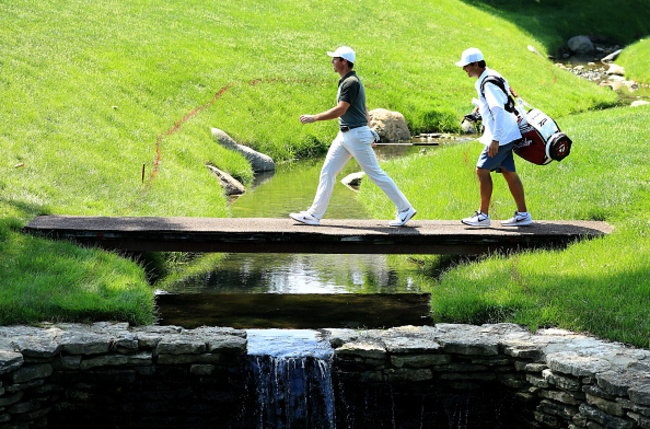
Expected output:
{"points": [[96, 93], [636, 60], [600, 286]]}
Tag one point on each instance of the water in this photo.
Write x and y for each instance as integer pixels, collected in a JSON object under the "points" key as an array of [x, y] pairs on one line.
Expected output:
{"points": [[293, 379]]}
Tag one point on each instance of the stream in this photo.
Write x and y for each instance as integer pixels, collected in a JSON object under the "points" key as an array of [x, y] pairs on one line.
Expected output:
{"points": [[304, 290]]}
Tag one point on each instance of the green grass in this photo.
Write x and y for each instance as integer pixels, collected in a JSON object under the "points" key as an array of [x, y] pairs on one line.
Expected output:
{"points": [[601, 286], [48, 281], [636, 60], [94, 91]]}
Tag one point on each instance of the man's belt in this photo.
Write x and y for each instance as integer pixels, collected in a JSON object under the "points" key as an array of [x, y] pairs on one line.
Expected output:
{"points": [[345, 128]]}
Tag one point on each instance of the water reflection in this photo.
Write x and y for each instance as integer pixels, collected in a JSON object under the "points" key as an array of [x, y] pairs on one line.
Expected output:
{"points": [[281, 273]]}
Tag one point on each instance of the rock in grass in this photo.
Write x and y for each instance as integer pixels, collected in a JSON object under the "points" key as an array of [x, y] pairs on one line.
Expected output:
{"points": [[258, 161], [230, 185]]}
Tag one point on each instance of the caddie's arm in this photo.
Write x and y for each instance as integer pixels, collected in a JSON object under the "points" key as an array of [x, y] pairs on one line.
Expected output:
{"points": [[335, 112]]}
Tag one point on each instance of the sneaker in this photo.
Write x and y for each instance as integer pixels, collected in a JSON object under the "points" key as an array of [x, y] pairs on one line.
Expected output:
{"points": [[304, 217], [479, 220], [404, 216], [518, 219]]}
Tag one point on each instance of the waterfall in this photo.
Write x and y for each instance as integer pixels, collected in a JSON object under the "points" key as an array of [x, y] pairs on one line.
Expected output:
{"points": [[293, 380]]}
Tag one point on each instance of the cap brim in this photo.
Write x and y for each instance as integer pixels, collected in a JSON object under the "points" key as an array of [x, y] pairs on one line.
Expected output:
{"points": [[332, 54], [461, 64]]}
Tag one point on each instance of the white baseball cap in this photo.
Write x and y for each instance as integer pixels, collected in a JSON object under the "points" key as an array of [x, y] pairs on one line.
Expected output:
{"points": [[344, 52], [470, 56]]}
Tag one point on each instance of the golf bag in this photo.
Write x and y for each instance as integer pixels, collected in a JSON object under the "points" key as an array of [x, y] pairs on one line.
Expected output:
{"points": [[542, 140]]}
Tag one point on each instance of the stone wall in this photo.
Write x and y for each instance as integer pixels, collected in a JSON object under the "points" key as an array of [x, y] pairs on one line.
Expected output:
{"points": [[556, 379], [113, 375]]}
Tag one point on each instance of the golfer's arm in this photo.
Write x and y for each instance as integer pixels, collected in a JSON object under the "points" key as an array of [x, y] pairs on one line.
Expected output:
{"points": [[334, 112]]}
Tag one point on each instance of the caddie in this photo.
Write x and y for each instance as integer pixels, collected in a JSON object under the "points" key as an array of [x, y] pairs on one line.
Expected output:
{"points": [[500, 137]]}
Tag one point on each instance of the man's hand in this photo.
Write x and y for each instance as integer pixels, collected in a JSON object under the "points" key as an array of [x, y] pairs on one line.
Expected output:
{"points": [[307, 119], [493, 148]]}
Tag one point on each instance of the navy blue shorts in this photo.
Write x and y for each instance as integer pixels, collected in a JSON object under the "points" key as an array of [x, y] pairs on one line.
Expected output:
{"points": [[502, 160]]}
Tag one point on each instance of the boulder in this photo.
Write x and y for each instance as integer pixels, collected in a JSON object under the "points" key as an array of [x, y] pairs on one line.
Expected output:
{"points": [[258, 161], [230, 185], [391, 126], [581, 45], [639, 103]]}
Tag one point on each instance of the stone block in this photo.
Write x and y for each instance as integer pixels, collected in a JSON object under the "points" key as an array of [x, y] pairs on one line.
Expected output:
{"points": [[202, 369], [559, 396], [10, 399], [562, 382], [577, 365], [85, 343], [226, 343], [363, 350], [24, 407], [523, 352], [640, 394], [103, 361], [38, 346], [126, 344], [513, 381], [209, 358], [546, 419], [19, 387], [605, 419], [142, 358], [530, 367], [67, 362], [408, 375], [597, 391], [537, 381], [419, 360], [474, 376], [31, 372], [181, 345], [411, 345], [461, 367], [609, 407], [10, 361], [471, 346], [618, 382]]}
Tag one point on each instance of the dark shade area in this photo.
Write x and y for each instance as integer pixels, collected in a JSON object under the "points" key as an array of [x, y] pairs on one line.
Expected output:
{"points": [[295, 311]]}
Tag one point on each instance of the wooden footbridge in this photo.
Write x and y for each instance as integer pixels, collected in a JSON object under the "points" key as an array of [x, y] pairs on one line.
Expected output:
{"points": [[336, 236]]}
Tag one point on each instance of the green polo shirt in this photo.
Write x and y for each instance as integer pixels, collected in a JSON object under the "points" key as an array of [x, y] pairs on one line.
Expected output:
{"points": [[351, 91]]}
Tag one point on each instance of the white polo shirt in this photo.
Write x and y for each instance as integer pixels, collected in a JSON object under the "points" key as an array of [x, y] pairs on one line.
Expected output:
{"points": [[499, 124]]}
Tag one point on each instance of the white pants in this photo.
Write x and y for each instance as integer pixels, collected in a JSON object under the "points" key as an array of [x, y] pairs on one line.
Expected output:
{"points": [[355, 143]]}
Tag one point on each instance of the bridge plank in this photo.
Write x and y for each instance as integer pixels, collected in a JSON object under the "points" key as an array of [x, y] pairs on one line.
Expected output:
{"points": [[338, 236]]}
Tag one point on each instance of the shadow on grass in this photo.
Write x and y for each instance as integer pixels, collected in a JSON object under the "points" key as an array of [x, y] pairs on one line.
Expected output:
{"points": [[553, 22]]}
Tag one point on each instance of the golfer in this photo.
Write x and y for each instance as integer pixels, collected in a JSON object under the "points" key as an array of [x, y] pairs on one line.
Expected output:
{"points": [[354, 139], [500, 136]]}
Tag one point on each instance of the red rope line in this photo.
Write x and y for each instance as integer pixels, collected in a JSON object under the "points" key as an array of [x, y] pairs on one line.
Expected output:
{"points": [[177, 126]]}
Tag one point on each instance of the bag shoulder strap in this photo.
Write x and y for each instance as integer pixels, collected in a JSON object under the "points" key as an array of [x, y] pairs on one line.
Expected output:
{"points": [[501, 84]]}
